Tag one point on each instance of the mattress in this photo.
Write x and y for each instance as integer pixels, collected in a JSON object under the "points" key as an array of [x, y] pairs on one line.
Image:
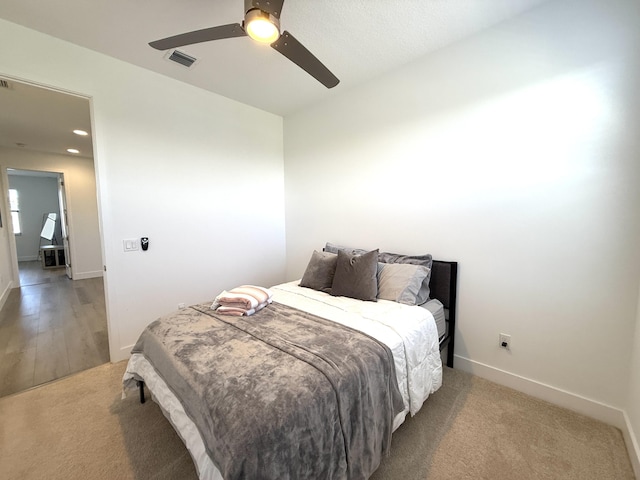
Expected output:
{"points": [[409, 331], [437, 310]]}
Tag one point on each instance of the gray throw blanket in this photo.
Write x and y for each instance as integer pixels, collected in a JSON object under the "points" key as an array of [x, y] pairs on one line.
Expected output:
{"points": [[281, 394]]}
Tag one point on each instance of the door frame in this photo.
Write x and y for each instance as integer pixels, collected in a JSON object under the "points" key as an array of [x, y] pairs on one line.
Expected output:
{"points": [[112, 329], [64, 225], [63, 221], [15, 272]]}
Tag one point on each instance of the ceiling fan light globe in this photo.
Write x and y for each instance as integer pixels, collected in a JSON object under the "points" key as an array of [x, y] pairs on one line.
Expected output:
{"points": [[261, 26]]}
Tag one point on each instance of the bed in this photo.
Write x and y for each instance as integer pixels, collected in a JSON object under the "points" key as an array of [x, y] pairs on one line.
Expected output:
{"points": [[311, 386]]}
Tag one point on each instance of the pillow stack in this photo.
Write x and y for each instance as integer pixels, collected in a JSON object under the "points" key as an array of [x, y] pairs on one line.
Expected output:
{"points": [[243, 300], [369, 275], [424, 261]]}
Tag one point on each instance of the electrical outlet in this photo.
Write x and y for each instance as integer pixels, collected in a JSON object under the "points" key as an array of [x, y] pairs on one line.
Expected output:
{"points": [[181, 306], [505, 341]]}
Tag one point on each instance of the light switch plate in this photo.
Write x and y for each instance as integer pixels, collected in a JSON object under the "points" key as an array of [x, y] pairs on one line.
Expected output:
{"points": [[130, 244]]}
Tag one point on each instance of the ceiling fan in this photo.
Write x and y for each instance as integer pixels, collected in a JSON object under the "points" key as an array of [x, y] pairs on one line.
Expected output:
{"points": [[261, 23]]}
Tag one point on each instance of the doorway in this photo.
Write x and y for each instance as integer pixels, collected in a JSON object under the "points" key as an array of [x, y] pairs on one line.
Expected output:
{"points": [[38, 209], [53, 322]]}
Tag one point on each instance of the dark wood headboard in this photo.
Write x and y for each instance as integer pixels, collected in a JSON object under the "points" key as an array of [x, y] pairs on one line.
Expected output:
{"points": [[444, 286]]}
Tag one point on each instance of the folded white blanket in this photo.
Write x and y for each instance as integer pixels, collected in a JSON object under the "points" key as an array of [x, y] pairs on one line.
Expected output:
{"points": [[242, 300], [240, 311]]}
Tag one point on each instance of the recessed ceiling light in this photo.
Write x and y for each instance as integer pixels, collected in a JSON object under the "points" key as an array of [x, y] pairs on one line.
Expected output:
{"points": [[80, 132], [73, 150]]}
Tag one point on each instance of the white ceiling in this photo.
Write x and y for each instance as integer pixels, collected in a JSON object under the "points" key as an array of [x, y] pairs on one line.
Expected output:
{"points": [[36, 118], [356, 39]]}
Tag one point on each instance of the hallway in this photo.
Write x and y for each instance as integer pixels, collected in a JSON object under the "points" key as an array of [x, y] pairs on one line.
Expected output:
{"points": [[50, 327]]}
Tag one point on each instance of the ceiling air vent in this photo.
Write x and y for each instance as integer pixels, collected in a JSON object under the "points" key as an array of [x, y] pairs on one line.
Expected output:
{"points": [[182, 58]]}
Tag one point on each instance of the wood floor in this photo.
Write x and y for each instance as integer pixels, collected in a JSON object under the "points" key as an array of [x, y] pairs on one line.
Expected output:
{"points": [[50, 327]]}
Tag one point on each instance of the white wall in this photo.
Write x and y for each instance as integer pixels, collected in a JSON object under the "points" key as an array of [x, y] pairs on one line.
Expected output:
{"points": [[37, 196], [80, 189], [200, 175], [515, 154]]}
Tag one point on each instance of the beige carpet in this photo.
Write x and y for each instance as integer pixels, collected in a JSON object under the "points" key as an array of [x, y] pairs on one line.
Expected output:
{"points": [[79, 428]]}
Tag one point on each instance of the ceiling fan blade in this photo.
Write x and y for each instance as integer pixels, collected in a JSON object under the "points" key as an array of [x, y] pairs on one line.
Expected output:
{"points": [[198, 36], [291, 48], [274, 7]]}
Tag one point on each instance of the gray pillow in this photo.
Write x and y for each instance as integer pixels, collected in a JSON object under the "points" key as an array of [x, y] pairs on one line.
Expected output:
{"points": [[424, 260], [320, 271], [332, 248], [400, 282], [355, 276]]}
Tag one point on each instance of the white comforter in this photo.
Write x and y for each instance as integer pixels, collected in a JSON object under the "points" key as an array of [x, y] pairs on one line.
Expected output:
{"points": [[409, 331]]}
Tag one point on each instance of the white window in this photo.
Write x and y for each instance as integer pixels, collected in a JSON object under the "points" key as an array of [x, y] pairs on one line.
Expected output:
{"points": [[14, 205]]}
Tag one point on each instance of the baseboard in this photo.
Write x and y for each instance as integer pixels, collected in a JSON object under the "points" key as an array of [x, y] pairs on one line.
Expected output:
{"points": [[123, 354], [85, 275], [590, 408], [633, 447], [5, 294], [28, 258]]}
